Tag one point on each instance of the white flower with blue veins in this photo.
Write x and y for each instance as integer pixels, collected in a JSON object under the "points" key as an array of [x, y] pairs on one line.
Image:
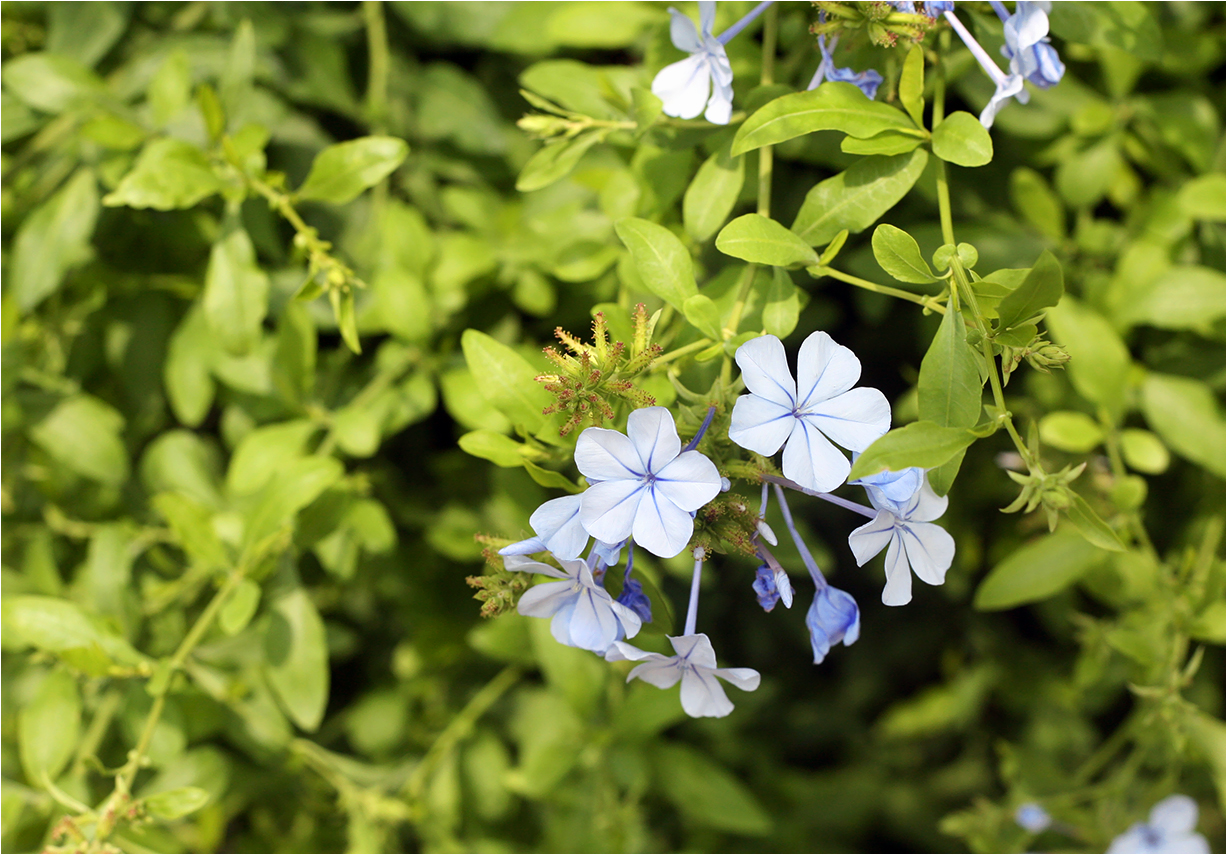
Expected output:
{"points": [[1170, 829], [1027, 45], [913, 543], [557, 528], [695, 666], [643, 484], [684, 86], [582, 613], [805, 416]]}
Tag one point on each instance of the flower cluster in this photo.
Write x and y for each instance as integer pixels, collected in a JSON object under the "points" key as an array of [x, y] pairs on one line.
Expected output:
{"points": [[645, 490]]}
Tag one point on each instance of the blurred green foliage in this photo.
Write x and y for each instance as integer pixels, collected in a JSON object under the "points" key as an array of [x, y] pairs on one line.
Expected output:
{"points": [[242, 245]]}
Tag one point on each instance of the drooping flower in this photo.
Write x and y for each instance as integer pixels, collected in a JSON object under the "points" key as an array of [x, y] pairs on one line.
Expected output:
{"points": [[643, 484], [1027, 45], [771, 584], [1008, 85], [1033, 818], [1169, 829], [867, 81], [892, 488], [911, 540], [583, 614], [832, 617], [805, 416], [695, 666], [557, 528]]}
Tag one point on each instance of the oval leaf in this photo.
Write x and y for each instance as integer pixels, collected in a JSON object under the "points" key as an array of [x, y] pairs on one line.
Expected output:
{"points": [[922, 444], [857, 198], [506, 379], [1036, 571], [297, 658], [342, 171], [899, 255], [832, 106], [661, 260], [761, 240], [962, 140]]}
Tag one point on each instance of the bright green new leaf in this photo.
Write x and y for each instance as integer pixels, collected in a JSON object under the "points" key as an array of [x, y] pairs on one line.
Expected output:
{"points": [[1129, 27], [962, 140], [1037, 203], [1186, 296], [51, 83], [342, 171], [1144, 451], [54, 239], [1041, 289], [712, 194], [912, 84], [49, 726], [1186, 414], [1091, 526], [1069, 431], [176, 803], [239, 608], [192, 524], [781, 305], [924, 444], [169, 173], [47, 623], [550, 478], [295, 487], [187, 371], [554, 160], [704, 315], [296, 648], [499, 449], [506, 379], [832, 106], [948, 390], [1037, 570], [885, 143], [265, 452], [1205, 197], [761, 240], [236, 291], [899, 255], [662, 262], [83, 435], [857, 198]]}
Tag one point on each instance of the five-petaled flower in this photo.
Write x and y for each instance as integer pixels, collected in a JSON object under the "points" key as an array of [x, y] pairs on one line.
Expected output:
{"points": [[804, 416], [1169, 829], [695, 666], [583, 614], [910, 538], [683, 87], [643, 484]]}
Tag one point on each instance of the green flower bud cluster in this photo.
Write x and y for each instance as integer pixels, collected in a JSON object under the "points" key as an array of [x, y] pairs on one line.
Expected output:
{"points": [[498, 589], [1051, 490], [883, 23]]}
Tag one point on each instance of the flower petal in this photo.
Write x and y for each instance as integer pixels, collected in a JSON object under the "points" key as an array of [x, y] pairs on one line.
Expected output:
{"points": [[1027, 26], [720, 105], [690, 480], [746, 679], [593, 625], [926, 505], [620, 651], [661, 527], [760, 425], [608, 509], [871, 538], [606, 455], [930, 550], [824, 369], [631, 622], [662, 672], [557, 523], [898, 590], [702, 694], [696, 649], [1175, 814], [524, 547], [707, 16], [764, 369], [527, 565], [811, 460], [683, 87], [682, 32], [652, 431], [546, 600], [853, 419]]}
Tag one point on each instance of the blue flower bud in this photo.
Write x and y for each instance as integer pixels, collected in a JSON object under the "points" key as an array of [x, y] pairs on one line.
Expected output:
{"points": [[833, 617], [636, 600]]}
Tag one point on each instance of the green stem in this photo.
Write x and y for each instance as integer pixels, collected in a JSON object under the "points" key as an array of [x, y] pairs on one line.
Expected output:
{"points": [[925, 300], [685, 350], [765, 155], [98, 727], [939, 113], [377, 70]]}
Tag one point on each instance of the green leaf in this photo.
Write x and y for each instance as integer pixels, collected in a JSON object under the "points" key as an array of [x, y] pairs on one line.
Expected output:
{"points": [[857, 198], [1186, 296], [550, 478], [295, 487], [347, 323], [236, 291], [912, 84], [949, 389], [83, 434], [962, 140], [899, 255], [1205, 197], [296, 651], [922, 444], [1069, 431], [51, 83], [265, 451], [886, 143], [761, 240], [781, 305], [190, 388], [707, 793], [1038, 205], [47, 623], [176, 803], [54, 239], [1091, 526], [1037, 570], [704, 315], [662, 262], [85, 33], [168, 174], [192, 524], [342, 171], [506, 380], [712, 194], [554, 160], [1129, 26], [499, 449], [1043, 288], [1186, 414], [832, 106], [49, 726], [1144, 451], [1099, 362], [239, 608]]}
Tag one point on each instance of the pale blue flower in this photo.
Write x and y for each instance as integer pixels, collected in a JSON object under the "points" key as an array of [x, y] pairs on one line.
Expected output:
{"points": [[695, 666], [892, 489], [642, 485], [911, 541], [1008, 85], [807, 415], [867, 81], [771, 585], [832, 617], [557, 528], [1170, 829], [684, 86], [933, 8], [1033, 818], [582, 612], [1027, 44]]}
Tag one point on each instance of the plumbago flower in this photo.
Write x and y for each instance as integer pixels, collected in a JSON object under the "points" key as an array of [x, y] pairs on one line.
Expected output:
{"points": [[583, 614], [867, 81], [558, 530], [806, 415], [643, 484], [1169, 829], [906, 531], [683, 87], [695, 666]]}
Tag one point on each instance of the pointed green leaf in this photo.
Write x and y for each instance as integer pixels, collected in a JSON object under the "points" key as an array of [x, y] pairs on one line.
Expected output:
{"points": [[1188, 416], [296, 651], [899, 255], [236, 291], [886, 143], [661, 260], [712, 194], [781, 305], [239, 609], [922, 444], [704, 315], [554, 160], [176, 803], [832, 106], [1037, 570], [1091, 526], [962, 140], [506, 379], [54, 239], [761, 240], [1099, 362], [1042, 289], [858, 197], [342, 171], [48, 727], [169, 173], [912, 85], [83, 434]]}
